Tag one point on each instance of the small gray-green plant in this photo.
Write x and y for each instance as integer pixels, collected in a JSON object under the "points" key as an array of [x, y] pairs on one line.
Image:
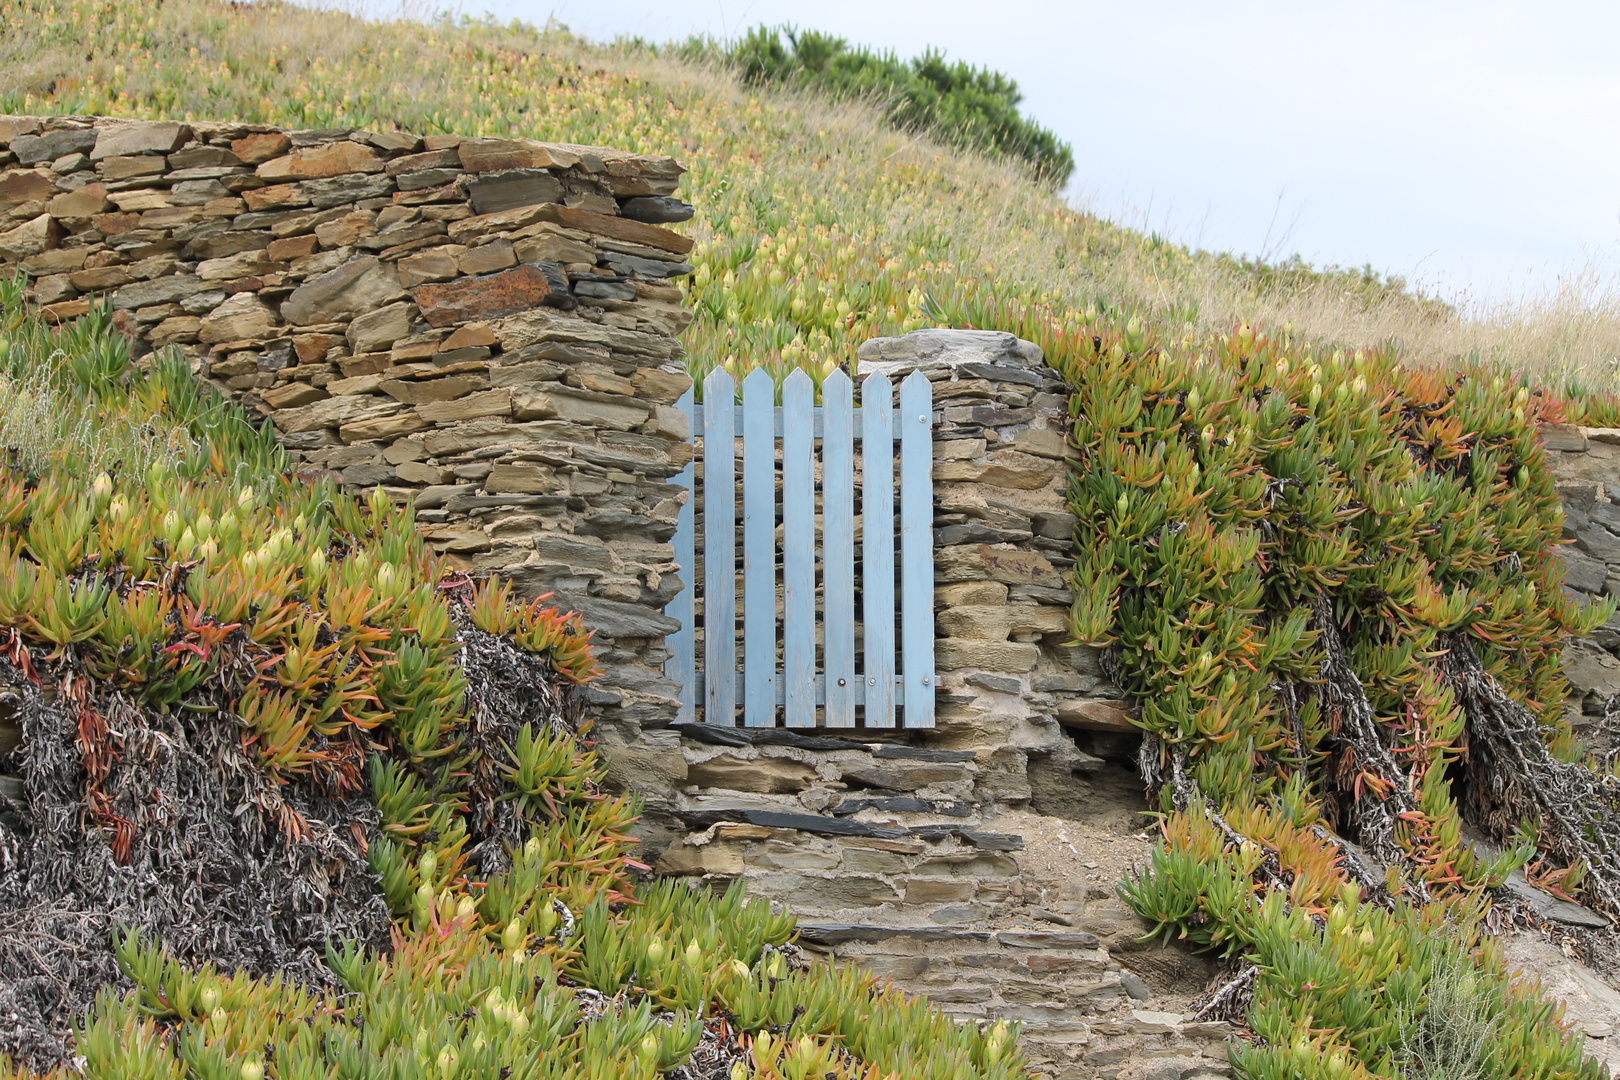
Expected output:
{"points": [[1449, 1031]]}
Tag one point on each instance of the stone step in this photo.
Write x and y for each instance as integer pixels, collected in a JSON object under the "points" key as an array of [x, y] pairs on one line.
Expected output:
{"points": [[1081, 1012]]}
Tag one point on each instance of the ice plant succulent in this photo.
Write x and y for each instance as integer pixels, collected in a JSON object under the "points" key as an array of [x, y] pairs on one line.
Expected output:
{"points": [[1328, 581]]}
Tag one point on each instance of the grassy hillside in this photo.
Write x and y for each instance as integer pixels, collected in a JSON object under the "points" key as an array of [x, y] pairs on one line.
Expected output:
{"points": [[819, 225]]}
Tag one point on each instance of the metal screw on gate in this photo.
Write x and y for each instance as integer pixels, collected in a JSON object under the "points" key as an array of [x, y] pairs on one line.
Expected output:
{"points": [[871, 680], [925, 680], [840, 682], [922, 419]]}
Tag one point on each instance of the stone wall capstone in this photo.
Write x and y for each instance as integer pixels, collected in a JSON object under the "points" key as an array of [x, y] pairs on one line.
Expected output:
{"points": [[485, 328]]}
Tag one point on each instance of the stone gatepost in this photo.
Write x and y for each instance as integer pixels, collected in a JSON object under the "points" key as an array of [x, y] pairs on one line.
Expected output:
{"points": [[1010, 678]]}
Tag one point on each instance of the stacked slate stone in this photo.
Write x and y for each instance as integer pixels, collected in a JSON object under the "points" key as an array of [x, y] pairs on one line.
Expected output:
{"points": [[1586, 463], [1003, 534], [485, 328]]}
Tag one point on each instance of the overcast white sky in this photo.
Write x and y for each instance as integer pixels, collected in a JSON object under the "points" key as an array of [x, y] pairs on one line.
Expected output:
{"points": [[1474, 147]]}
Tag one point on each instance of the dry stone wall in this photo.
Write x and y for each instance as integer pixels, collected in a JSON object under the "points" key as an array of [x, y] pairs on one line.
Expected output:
{"points": [[1586, 464], [485, 328]]}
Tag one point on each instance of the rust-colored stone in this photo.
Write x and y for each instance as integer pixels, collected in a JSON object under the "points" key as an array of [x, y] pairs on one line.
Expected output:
{"points": [[494, 295], [493, 155], [25, 185], [1095, 714], [292, 395], [68, 309], [618, 228], [117, 224], [257, 149], [292, 247], [321, 162], [275, 195], [369, 364], [312, 348], [471, 336]]}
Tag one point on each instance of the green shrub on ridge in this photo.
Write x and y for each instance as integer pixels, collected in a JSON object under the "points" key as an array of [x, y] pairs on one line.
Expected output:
{"points": [[955, 102]]}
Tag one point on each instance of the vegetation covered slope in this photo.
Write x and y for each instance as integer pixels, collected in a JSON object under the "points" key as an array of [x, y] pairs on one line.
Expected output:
{"points": [[1329, 582], [202, 642]]}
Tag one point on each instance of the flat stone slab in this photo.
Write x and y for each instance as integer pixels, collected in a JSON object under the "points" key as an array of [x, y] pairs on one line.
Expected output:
{"points": [[904, 804], [840, 933], [986, 841], [777, 819], [1039, 940], [918, 753], [720, 735]]}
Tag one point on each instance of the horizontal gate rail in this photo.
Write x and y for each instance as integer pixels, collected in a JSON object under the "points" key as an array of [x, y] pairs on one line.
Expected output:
{"points": [[782, 676], [898, 688]]}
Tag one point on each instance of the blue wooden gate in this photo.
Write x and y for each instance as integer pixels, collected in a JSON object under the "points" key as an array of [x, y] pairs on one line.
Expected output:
{"points": [[777, 676]]}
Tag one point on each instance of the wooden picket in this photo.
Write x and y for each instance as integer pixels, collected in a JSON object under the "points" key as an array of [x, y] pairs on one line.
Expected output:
{"points": [[719, 546], [778, 677]]}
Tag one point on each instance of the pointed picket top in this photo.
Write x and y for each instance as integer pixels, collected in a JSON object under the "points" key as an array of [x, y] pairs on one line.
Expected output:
{"points": [[799, 382], [877, 390], [754, 382], [718, 385], [837, 379]]}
